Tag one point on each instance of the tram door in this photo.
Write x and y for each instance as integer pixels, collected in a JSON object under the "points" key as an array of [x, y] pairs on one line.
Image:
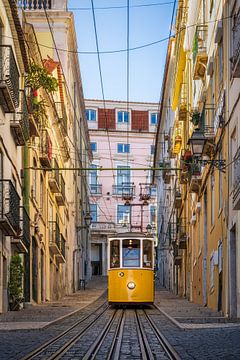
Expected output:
{"points": [[96, 259]]}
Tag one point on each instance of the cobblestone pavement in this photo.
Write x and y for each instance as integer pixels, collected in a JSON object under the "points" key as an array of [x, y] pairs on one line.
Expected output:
{"points": [[195, 332]]}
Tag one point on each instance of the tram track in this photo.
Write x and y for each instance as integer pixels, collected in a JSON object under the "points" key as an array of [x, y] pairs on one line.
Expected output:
{"points": [[104, 335]]}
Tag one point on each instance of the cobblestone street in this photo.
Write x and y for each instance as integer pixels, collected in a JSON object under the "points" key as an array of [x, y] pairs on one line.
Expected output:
{"points": [[195, 332]]}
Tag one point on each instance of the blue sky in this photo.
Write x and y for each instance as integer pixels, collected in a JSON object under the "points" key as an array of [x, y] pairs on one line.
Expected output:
{"points": [[147, 24]]}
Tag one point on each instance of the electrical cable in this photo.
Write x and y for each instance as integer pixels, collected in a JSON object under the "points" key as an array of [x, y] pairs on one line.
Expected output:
{"points": [[121, 6]]}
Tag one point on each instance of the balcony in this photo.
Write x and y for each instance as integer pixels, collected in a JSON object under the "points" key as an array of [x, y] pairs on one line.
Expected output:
{"points": [[126, 189], [9, 80], [60, 196], [145, 192], [61, 257], [45, 156], [34, 4], [182, 234], [166, 172], [177, 198], [62, 117], [53, 178], [235, 59], [209, 134], [22, 240], [103, 227], [54, 238], [20, 122], [9, 208], [199, 52], [195, 178], [236, 181], [96, 189]]}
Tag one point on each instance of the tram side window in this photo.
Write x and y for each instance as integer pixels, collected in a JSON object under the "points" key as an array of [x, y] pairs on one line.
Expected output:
{"points": [[147, 253], [131, 253], [114, 254]]}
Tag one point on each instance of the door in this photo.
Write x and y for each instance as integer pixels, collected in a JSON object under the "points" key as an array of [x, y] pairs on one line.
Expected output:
{"points": [[34, 270]]}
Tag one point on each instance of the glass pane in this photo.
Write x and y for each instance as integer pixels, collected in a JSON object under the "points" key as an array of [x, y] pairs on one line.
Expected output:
{"points": [[120, 115], [114, 254], [147, 253], [131, 253]]}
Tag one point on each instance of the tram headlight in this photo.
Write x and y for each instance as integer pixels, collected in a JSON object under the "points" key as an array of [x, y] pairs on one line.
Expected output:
{"points": [[131, 285]]}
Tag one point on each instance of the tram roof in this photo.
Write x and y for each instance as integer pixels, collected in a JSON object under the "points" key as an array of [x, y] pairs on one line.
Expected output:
{"points": [[131, 234]]}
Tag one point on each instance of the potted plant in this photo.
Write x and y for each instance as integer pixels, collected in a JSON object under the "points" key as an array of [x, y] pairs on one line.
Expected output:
{"points": [[15, 283]]}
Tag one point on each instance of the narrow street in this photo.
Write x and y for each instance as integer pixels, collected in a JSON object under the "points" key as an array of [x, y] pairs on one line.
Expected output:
{"points": [[83, 326]]}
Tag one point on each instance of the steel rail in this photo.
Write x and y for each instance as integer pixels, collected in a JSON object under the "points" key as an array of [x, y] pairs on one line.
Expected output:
{"points": [[94, 348], [115, 349], [168, 348], [144, 344], [43, 347]]}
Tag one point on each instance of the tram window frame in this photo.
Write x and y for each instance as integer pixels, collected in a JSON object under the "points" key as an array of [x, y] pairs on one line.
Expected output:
{"points": [[116, 264], [151, 254], [137, 264]]}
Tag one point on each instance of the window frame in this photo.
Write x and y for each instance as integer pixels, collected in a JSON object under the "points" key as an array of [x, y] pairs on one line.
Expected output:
{"points": [[93, 143], [156, 115], [125, 148], [95, 212], [94, 111], [123, 121]]}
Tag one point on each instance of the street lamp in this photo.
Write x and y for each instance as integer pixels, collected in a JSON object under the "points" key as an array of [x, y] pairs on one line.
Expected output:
{"points": [[149, 228], [87, 220], [197, 142]]}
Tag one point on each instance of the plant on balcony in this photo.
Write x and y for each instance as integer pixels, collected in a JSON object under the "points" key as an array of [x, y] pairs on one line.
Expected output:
{"points": [[15, 283]]}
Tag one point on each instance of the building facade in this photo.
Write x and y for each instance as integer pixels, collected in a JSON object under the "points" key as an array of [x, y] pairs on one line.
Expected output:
{"points": [[45, 147], [203, 148], [122, 140]]}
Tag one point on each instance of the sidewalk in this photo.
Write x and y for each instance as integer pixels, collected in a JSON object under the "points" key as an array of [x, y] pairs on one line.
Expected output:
{"points": [[187, 315], [39, 316]]}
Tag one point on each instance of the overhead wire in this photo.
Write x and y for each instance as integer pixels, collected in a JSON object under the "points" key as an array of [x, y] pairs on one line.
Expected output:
{"points": [[121, 6]]}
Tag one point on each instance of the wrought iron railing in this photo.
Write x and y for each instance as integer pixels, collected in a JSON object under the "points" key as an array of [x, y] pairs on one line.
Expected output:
{"points": [[96, 189], [9, 204], [54, 173], [63, 246], [21, 117], [62, 116], [46, 145], [236, 176], [124, 189], [9, 77], [236, 45], [54, 234], [34, 4], [62, 185]]}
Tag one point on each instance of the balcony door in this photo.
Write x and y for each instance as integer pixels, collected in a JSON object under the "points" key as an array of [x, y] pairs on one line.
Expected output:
{"points": [[123, 177]]}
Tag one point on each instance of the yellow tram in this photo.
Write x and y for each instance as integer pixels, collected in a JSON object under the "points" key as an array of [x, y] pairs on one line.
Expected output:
{"points": [[131, 269]]}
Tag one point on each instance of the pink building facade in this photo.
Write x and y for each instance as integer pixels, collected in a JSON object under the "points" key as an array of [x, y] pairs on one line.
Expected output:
{"points": [[122, 139]]}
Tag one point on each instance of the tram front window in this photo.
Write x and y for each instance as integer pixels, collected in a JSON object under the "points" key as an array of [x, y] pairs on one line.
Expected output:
{"points": [[114, 254], [147, 253], [131, 253]]}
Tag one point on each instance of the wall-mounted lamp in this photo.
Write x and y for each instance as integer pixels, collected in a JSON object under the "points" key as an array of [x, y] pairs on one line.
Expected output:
{"points": [[87, 220], [197, 143]]}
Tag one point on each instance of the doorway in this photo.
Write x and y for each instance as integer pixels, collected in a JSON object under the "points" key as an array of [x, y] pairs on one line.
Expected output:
{"points": [[96, 259]]}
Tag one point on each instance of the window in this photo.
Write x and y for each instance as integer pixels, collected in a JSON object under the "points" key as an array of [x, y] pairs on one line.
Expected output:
{"points": [[93, 146], [123, 214], [93, 179], [93, 212], [212, 200], [123, 177], [220, 59], [147, 253], [212, 272], [154, 118], [123, 148], [123, 116], [91, 115], [114, 254], [34, 180], [153, 190], [152, 149], [131, 253], [220, 185], [42, 194], [153, 215]]}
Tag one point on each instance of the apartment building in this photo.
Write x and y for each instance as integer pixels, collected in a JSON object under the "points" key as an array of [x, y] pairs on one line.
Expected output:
{"points": [[122, 141], [199, 230], [44, 147]]}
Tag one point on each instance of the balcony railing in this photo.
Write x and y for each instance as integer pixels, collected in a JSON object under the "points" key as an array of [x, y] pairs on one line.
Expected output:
{"points": [[9, 208], [126, 189], [177, 198], [60, 257], [62, 116], [236, 181], [20, 122], [96, 189], [53, 177], [199, 52], [34, 4], [60, 196], [45, 149], [9, 79], [195, 178], [54, 238], [235, 59], [22, 239]]}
